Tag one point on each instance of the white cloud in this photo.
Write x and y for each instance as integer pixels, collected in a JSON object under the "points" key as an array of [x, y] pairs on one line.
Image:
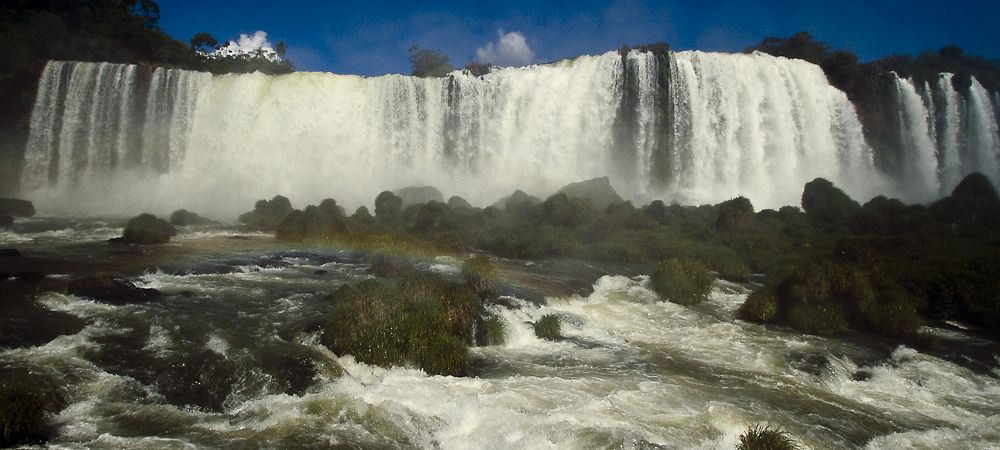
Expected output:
{"points": [[248, 44], [512, 50]]}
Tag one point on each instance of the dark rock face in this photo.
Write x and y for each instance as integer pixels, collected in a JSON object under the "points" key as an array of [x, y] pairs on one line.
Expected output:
{"points": [[418, 195], [105, 288], [6, 221], [147, 229], [598, 191], [184, 218], [9, 253], [16, 207]]}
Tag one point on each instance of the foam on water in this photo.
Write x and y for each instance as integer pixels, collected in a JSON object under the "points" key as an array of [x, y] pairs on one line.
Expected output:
{"points": [[631, 372]]}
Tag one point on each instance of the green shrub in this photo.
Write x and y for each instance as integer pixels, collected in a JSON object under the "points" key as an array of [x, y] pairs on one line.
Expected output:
{"points": [[824, 202], [495, 331], [24, 403], [735, 215], [424, 320], [683, 281], [481, 276], [388, 207], [760, 306], [148, 229], [389, 264], [765, 438], [548, 327], [322, 222], [266, 214], [732, 269], [816, 319], [894, 314]]}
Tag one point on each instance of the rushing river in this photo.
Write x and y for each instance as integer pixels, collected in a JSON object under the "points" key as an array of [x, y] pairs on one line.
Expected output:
{"points": [[230, 358]]}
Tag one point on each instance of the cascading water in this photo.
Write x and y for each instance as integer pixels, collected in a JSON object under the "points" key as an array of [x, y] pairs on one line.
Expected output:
{"points": [[947, 135], [917, 134], [125, 139], [761, 127]]}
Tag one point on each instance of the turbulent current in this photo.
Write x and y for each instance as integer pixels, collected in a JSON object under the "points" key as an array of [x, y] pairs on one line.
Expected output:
{"points": [[690, 127], [229, 358]]}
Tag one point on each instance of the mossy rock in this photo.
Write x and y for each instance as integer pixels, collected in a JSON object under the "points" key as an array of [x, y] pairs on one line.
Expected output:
{"points": [[147, 229], [185, 218]]}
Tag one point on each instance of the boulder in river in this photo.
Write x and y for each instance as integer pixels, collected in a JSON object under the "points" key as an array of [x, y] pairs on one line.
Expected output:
{"points": [[109, 289]]}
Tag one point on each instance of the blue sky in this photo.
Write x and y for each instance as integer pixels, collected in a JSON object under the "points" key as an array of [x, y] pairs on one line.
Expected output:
{"points": [[372, 37]]}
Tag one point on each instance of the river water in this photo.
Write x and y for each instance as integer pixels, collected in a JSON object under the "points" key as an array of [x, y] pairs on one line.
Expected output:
{"points": [[230, 358]]}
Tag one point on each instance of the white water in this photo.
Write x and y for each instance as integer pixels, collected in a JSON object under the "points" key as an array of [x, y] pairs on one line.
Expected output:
{"points": [[762, 127], [125, 139], [947, 135], [633, 373]]}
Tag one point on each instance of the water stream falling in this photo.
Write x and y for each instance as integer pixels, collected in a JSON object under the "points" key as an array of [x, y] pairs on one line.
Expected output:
{"points": [[126, 139]]}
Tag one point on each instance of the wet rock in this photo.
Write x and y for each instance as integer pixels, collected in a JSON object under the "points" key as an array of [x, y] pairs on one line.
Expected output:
{"points": [[183, 218], [598, 191], [29, 275], [9, 253], [861, 375], [16, 207], [106, 288], [147, 229], [418, 195]]}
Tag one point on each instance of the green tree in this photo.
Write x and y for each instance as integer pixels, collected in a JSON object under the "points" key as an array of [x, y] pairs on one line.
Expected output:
{"points": [[204, 42], [428, 63]]}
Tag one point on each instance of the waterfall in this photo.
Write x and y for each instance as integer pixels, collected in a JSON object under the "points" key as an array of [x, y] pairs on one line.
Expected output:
{"points": [[917, 134], [690, 127], [947, 135], [762, 127]]}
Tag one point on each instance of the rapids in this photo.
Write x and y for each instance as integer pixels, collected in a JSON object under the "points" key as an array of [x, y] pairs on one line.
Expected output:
{"points": [[229, 358]]}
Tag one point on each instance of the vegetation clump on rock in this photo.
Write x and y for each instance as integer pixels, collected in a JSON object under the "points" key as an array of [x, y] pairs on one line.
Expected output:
{"points": [[424, 320], [480, 274], [25, 401], [266, 214], [884, 267], [683, 281], [548, 327], [765, 438]]}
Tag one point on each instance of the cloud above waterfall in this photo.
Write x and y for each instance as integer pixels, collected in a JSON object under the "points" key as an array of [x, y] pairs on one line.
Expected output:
{"points": [[248, 44], [511, 50]]}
